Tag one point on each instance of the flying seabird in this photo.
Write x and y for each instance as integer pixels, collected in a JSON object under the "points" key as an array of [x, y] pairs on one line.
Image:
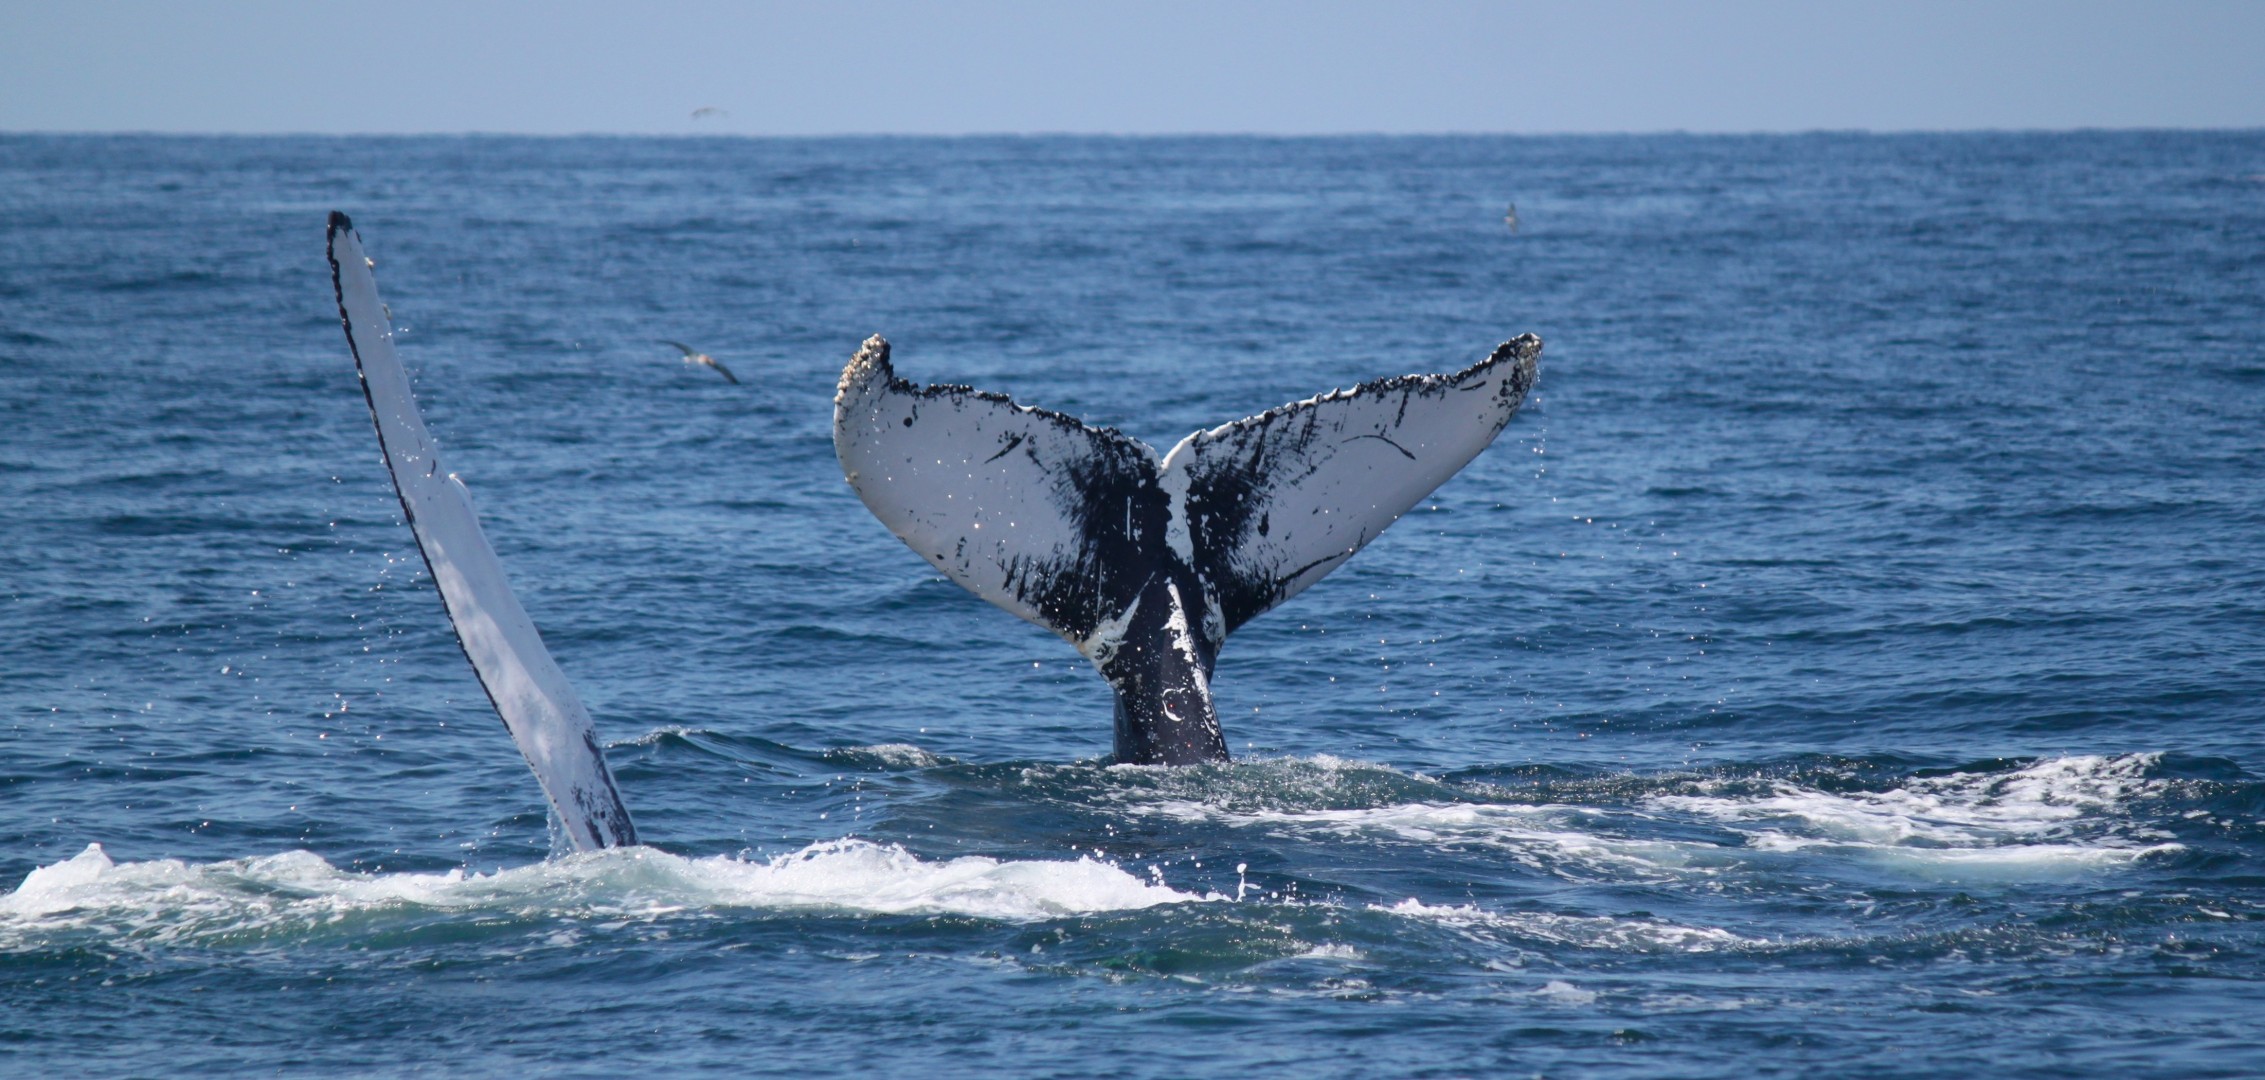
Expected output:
{"points": [[695, 356]]}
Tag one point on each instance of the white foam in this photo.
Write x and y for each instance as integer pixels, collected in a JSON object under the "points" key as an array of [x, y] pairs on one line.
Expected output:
{"points": [[2054, 815], [1959, 808], [1579, 931], [654, 737], [1560, 992], [1545, 837], [168, 899], [897, 755]]}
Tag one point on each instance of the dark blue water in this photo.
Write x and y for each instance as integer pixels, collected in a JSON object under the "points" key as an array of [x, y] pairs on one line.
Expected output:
{"points": [[1850, 663]]}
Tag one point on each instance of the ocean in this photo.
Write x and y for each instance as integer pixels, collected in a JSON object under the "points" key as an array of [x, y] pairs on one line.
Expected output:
{"points": [[1849, 662]]}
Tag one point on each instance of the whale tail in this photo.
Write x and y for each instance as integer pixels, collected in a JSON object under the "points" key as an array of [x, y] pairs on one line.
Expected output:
{"points": [[1087, 532], [529, 692]]}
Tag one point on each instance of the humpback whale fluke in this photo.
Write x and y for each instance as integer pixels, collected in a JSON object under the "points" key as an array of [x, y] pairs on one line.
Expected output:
{"points": [[524, 684], [1146, 564]]}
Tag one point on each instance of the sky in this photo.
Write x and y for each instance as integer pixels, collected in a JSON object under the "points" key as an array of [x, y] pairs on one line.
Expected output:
{"points": [[1157, 67]]}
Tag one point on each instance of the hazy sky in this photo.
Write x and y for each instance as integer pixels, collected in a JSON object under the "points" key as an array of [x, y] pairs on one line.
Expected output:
{"points": [[1318, 66]]}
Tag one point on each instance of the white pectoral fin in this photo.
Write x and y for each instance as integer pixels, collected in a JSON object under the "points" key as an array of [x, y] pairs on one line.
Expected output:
{"points": [[1276, 501], [529, 692], [1028, 509]]}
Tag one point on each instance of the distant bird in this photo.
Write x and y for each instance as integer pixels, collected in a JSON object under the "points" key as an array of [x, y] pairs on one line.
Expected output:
{"points": [[1511, 218], [695, 356], [706, 111]]}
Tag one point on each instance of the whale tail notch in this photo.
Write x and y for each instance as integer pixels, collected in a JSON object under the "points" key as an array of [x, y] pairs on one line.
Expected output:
{"points": [[539, 707], [1141, 561]]}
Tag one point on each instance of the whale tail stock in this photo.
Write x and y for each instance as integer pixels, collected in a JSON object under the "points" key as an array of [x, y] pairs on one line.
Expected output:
{"points": [[1146, 564], [544, 715]]}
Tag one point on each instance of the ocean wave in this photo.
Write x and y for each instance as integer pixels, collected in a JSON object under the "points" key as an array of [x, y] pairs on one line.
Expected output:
{"points": [[2056, 814], [661, 735], [298, 892], [1576, 931], [2050, 817], [1249, 786], [1554, 838], [890, 757]]}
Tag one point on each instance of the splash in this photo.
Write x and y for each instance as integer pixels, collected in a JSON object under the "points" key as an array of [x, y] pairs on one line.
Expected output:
{"points": [[297, 892], [1546, 837], [1577, 931], [1253, 785], [2050, 818], [891, 757], [2056, 815]]}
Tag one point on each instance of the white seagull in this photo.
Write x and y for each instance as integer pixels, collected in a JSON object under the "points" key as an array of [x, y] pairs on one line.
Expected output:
{"points": [[695, 356]]}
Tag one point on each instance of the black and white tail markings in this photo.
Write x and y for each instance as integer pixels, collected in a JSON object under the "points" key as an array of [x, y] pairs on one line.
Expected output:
{"points": [[529, 692], [1146, 564]]}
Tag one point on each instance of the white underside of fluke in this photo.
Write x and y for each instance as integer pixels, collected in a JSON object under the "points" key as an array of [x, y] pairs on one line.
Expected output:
{"points": [[529, 692], [1044, 516]]}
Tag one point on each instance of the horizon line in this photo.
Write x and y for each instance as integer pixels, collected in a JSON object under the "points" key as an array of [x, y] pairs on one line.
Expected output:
{"points": [[1130, 135]]}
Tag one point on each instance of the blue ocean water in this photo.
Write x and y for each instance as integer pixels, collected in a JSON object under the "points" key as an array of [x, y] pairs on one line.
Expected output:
{"points": [[1848, 663]]}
